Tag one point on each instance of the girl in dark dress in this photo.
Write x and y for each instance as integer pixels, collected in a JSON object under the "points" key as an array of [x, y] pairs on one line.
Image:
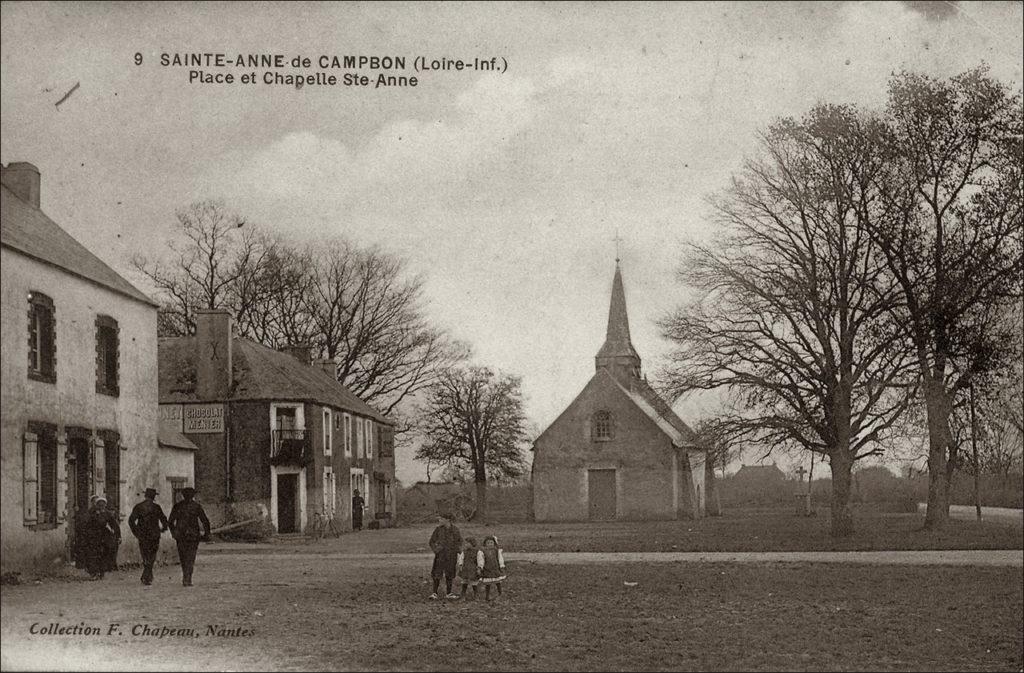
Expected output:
{"points": [[470, 563]]}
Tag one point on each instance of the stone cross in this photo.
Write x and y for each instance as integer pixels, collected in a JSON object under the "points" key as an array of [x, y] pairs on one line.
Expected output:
{"points": [[801, 472]]}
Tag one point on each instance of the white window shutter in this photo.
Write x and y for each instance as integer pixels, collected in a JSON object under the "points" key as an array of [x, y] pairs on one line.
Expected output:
{"points": [[99, 465], [324, 482], [122, 487], [31, 478], [62, 478]]}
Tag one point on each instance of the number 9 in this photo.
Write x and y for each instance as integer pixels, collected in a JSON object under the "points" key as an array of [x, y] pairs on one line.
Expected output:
{"points": [[138, 58]]}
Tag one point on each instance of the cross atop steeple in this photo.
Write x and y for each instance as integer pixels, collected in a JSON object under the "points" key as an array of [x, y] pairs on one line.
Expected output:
{"points": [[618, 241]]}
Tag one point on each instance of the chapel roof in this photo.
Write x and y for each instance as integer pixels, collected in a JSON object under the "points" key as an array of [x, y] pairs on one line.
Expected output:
{"points": [[617, 342]]}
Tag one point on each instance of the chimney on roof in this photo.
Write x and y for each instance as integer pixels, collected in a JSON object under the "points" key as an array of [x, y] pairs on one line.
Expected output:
{"points": [[301, 352], [22, 178], [213, 354], [329, 366]]}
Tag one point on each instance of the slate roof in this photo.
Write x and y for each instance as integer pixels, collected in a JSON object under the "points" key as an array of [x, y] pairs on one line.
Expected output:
{"points": [[617, 342], [259, 373], [648, 401], [174, 440], [25, 228]]}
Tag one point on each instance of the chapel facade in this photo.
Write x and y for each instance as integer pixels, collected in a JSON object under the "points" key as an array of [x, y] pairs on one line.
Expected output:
{"points": [[618, 451]]}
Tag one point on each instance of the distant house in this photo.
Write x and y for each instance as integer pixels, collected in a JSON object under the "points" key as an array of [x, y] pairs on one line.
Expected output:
{"points": [[425, 500], [618, 451], [278, 435], [79, 396], [768, 474]]}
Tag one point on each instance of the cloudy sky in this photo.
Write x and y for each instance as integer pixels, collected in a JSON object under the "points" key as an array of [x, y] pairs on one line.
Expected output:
{"points": [[504, 190]]}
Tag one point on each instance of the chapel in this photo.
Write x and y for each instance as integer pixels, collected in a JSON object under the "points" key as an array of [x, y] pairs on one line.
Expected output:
{"points": [[618, 451]]}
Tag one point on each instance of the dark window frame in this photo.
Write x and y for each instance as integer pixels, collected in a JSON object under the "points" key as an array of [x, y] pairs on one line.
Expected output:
{"points": [[108, 359], [112, 469], [46, 437], [604, 426], [42, 338]]}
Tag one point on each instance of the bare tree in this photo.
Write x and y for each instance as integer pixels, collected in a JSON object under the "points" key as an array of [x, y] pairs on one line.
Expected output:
{"points": [[793, 316], [368, 316], [473, 418], [358, 307], [952, 239], [211, 267]]}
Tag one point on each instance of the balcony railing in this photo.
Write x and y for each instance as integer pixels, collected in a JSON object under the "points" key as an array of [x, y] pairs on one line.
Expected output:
{"points": [[290, 446]]}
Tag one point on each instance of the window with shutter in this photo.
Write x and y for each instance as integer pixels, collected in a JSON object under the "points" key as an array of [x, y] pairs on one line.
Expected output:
{"points": [[30, 471], [347, 435], [106, 355], [328, 434], [42, 357], [369, 438]]}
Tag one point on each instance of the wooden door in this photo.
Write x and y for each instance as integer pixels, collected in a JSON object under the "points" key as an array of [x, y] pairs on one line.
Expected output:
{"points": [[79, 482], [287, 494], [602, 495]]}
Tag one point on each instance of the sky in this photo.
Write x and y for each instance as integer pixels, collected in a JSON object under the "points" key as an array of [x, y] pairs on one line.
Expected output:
{"points": [[505, 190]]}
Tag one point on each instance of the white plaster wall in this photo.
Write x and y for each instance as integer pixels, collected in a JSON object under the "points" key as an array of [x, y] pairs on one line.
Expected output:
{"points": [[72, 400]]}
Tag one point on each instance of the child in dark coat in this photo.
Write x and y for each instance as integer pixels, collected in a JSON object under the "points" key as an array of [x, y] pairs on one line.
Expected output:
{"points": [[493, 571], [471, 561]]}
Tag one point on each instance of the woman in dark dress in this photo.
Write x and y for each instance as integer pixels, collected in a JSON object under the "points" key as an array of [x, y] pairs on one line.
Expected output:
{"points": [[101, 536], [357, 510]]}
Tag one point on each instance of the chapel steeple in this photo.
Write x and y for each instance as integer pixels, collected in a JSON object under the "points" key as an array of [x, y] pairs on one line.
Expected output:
{"points": [[617, 355]]}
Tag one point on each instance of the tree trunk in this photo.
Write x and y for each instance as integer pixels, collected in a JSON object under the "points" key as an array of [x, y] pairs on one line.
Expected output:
{"points": [[938, 407], [481, 501], [842, 516], [713, 507]]}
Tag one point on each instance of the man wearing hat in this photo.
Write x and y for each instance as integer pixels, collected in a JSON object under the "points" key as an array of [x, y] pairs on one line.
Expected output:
{"points": [[185, 519], [446, 543], [147, 522]]}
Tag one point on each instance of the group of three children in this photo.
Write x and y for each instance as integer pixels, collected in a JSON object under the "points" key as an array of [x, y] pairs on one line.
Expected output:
{"points": [[473, 565]]}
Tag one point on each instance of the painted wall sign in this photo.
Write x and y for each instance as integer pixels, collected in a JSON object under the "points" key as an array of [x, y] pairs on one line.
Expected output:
{"points": [[203, 418], [170, 417]]}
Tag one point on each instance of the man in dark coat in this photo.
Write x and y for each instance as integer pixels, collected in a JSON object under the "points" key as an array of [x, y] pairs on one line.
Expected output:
{"points": [[446, 543], [147, 522], [185, 519], [357, 510]]}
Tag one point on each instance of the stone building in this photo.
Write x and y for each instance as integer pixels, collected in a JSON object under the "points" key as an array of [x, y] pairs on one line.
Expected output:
{"points": [[79, 396], [618, 451], [278, 435]]}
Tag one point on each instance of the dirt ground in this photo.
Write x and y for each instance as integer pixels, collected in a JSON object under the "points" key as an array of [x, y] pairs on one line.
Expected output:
{"points": [[320, 611], [736, 531], [359, 602]]}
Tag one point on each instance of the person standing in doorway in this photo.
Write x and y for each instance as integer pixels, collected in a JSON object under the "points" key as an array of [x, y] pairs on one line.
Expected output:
{"points": [[147, 522], [101, 536], [357, 510], [185, 520], [446, 543]]}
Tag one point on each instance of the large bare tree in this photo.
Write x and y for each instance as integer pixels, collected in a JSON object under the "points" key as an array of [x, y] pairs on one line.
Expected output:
{"points": [[793, 305], [952, 240], [473, 419], [213, 264], [366, 313], [357, 306]]}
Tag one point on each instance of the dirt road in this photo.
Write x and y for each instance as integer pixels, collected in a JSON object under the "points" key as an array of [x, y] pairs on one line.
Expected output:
{"points": [[982, 557]]}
